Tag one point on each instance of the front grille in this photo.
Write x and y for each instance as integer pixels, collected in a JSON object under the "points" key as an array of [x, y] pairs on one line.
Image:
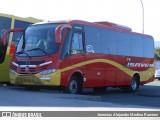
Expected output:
{"points": [[29, 69], [32, 70], [14, 67], [22, 70], [43, 67], [28, 79]]}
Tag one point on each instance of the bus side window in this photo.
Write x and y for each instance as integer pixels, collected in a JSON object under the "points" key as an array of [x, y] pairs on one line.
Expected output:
{"points": [[77, 44]]}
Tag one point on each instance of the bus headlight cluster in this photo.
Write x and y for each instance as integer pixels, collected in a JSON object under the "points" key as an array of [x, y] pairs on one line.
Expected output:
{"points": [[48, 71]]}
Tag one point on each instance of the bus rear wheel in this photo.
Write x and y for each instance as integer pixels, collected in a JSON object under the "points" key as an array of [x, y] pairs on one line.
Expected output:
{"points": [[133, 87]]}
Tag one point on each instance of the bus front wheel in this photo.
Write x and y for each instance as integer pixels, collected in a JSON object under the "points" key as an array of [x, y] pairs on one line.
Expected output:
{"points": [[74, 87]]}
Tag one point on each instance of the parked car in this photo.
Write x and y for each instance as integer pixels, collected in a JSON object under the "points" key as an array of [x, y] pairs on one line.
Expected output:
{"points": [[157, 72]]}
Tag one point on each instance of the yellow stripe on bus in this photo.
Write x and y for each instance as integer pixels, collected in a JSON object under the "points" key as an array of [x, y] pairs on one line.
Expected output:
{"points": [[147, 73]]}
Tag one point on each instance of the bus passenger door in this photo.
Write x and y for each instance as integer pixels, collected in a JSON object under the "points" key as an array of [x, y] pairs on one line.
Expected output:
{"points": [[72, 55], [77, 52]]}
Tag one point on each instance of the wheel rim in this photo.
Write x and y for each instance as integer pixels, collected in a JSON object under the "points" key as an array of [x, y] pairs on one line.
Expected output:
{"points": [[134, 85], [73, 86]]}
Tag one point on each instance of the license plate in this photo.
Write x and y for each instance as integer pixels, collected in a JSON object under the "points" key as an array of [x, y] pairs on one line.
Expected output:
{"points": [[45, 77]]}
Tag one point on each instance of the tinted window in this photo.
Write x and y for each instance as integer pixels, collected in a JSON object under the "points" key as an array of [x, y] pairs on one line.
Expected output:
{"points": [[148, 47], [77, 42], [5, 24], [136, 46], [108, 42], [23, 24], [123, 44], [92, 37], [117, 43]]}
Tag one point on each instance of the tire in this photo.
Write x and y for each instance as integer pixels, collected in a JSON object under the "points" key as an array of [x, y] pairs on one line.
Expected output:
{"points": [[99, 89], [158, 78], [133, 87], [74, 87]]}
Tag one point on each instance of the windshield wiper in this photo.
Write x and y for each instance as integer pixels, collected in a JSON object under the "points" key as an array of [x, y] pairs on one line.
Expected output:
{"points": [[23, 52], [38, 49]]}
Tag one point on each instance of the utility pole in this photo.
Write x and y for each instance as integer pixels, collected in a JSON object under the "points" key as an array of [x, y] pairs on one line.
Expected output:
{"points": [[142, 16]]}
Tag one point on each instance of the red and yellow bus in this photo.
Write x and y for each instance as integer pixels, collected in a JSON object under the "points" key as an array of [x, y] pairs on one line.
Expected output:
{"points": [[6, 52], [77, 54]]}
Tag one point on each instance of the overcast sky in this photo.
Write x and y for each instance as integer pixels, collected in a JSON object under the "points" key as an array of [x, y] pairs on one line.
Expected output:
{"points": [[125, 12]]}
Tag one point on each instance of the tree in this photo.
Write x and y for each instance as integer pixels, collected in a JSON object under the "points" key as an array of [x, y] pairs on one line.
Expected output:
{"points": [[157, 53]]}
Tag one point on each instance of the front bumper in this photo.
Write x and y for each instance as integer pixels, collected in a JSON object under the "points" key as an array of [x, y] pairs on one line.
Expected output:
{"points": [[52, 79]]}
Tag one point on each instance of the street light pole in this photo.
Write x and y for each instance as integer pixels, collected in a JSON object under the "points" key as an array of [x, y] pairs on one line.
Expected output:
{"points": [[142, 16]]}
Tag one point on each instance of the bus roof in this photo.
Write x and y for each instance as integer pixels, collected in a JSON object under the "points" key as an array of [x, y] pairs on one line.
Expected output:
{"points": [[104, 24], [114, 25]]}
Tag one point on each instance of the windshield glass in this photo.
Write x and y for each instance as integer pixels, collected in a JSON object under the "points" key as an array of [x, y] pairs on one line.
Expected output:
{"points": [[38, 40]]}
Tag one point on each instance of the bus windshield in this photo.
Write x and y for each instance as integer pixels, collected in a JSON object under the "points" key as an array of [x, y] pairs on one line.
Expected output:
{"points": [[38, 40]]}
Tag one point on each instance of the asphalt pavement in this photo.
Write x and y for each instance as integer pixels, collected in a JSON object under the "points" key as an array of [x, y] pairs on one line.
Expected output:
{"points": [[146, 97], [151, 89]]}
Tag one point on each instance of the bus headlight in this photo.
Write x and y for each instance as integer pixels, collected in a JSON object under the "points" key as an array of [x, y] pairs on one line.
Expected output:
{"points": [[48, 71]]}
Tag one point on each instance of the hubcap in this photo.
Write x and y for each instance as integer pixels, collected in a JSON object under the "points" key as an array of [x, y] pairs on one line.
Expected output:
{"points": [[134, 85], [73, 86]]}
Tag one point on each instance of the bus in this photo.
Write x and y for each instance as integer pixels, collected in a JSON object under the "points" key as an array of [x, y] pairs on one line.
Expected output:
{"points": [[78, 54], [6, 52]]}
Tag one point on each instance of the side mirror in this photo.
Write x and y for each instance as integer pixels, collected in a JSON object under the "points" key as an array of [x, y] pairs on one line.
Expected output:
{"points": [[58, 32], [8, 31]]}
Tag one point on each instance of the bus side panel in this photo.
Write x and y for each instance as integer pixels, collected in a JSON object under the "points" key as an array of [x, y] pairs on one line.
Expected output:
{"points": [[147, 81], [69, 66], [123, 78], [95, 73], [110, 78], [4, 69]]}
